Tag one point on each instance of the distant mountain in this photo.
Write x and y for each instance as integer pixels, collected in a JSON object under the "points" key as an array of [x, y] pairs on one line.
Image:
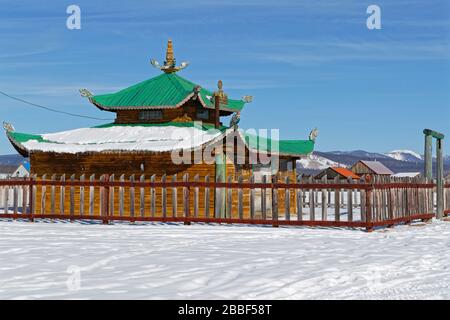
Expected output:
{"points": [[397, 161], [316, 162], [12, 159], [405, 155]]}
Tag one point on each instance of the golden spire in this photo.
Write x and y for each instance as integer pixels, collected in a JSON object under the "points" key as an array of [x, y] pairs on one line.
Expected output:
{"points": [[170, 60], [220, 94], [169, 65]]}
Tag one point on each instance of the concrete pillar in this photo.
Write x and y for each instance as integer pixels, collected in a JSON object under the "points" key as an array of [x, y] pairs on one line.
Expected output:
{"points": [[428, 171]]}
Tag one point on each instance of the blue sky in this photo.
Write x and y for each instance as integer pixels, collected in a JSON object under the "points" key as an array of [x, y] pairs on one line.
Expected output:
{"points": [[307, 63]]}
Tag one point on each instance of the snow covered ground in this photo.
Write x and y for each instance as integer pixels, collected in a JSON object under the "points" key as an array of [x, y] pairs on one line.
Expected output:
{"points": [[168, 261]]}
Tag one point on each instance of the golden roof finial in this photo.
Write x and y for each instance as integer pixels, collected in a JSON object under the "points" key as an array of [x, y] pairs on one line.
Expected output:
{"points": [[170, 60], [222, 96], [169, 65]]}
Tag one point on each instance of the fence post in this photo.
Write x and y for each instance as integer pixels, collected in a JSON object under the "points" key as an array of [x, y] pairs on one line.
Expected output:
{"points": [[142, 196], [274, 201], [111, 197], [252, 197], [350, 201], [287, 200], [229, 205], [43, 196], [263, 198], [186, 204], [91, 195], [337, 201], [240, 198], [72, 197], [106, 200], [299, 199], [440, 179], [324, 200], [82, 178], [53, 195], [32, 196], [153, 196], [368, 211], [312, 201], [62, 196], [121, 196], [164, 195], [207, 197], [174, 197], [132, 199], [196, 190]]}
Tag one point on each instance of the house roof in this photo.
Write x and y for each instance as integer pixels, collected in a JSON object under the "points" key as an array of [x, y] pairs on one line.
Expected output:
{"points": [[406, 174], [345, 172], [377, 167], [162, 137], [285, 147], [113, 137], [167, 90], [8, 169]]}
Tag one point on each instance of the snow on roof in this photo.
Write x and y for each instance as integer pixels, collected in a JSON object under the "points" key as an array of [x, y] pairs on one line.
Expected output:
{"points": [[406, 174], [123, 138], [377, 167]]}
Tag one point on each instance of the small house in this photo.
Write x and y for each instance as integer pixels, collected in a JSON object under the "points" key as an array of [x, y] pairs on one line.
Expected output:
{"points": [[13, 171], [333, 172], [370, 168]]}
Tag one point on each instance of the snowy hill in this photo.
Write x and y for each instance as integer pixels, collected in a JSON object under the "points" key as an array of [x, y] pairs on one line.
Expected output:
{"points": [[316, 162], [397, 160], [405, 155]]}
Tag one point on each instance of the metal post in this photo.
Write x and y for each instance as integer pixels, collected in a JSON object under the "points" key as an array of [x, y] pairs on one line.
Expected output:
{"points": [[428, 171], [440, 179]]}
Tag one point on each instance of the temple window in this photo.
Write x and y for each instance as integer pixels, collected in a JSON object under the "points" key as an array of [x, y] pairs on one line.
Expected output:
{"points": [[150, 115], [203, 114]]}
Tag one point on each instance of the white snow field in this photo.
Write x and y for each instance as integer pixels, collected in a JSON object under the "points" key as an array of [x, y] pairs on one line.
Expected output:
{"points": [[83, 260]]}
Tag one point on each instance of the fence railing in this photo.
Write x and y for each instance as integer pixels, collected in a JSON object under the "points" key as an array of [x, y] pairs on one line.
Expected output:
{"points": [[336, 203]]}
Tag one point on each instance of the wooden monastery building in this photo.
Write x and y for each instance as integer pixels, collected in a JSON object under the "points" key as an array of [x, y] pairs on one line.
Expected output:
{"points": [[154, 119], [371, 168]]}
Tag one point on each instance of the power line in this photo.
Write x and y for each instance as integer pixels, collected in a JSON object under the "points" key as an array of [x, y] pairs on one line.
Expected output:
{"points": [[50, 109]]}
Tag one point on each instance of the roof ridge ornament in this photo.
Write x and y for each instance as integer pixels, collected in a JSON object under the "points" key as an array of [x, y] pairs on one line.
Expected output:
{"points": [[169, 65], [247, 99], [313, 134], [85, 93], [8, 127]]}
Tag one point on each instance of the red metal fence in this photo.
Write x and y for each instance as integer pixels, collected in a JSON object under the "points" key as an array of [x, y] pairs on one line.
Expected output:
{"points": [[305, 202]]}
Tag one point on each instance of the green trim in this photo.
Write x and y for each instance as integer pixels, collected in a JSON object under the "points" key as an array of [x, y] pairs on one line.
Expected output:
{"points": [[433, 133], [204, 126], [24, 137], [285, 147], [163, 91]]}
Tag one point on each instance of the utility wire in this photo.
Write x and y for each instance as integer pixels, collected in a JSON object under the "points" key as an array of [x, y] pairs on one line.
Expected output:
{"points": [[50, 109]]}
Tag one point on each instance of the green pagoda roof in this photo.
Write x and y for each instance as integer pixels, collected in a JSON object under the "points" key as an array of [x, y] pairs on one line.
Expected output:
{"points": [[167, 90], [285, 147], [110, 137]]}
